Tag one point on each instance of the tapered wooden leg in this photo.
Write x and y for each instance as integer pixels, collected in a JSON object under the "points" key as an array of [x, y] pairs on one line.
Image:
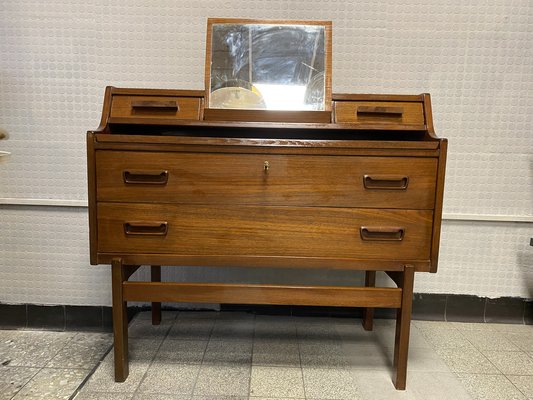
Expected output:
{"points": [[155, 271], [120, 321], [403, 325], [368, 312]]}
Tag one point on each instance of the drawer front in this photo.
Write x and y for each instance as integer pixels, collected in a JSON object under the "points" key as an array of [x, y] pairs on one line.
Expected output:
{"points": [[381, 112], [155, 107], [264, 231], [267, 179]]}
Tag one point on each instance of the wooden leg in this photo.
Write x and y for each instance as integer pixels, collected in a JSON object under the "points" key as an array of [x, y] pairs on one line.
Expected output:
{"points": [[155, 271], [120, 321], [368, 312], [403, 325]]}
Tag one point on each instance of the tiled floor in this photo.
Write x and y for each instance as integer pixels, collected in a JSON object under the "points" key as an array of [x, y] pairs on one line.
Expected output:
{"points": [[208, 355]]}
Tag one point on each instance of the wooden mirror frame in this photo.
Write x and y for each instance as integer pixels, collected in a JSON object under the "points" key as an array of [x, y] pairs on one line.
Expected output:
{"points": [[237, 114]]}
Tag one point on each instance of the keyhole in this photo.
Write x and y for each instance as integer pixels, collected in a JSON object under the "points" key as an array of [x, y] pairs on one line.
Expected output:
{"points": [[266, 166]]}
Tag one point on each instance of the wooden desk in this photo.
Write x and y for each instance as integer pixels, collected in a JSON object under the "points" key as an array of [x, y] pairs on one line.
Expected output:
{"points": [[362, 192]]}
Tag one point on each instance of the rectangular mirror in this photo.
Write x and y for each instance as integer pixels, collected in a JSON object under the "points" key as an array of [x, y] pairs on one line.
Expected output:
{"points": [[268, 65]]}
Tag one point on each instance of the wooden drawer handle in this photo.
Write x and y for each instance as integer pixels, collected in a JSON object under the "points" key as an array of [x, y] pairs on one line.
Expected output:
{"points": [[146, 228], [153, 104], [382, 233], [145, 177], [385, 182], [380, 111]]}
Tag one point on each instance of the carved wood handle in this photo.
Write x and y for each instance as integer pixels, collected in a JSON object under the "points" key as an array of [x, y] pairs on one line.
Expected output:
{"points": [[154, 104], [380, 111], [381, 233], [146, 228], [134, 177], [385, 182]]}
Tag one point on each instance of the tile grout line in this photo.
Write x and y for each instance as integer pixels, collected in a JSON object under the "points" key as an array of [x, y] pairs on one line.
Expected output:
{"points": [[252, 359], [300, 358], [203, 355], [136, 391]]}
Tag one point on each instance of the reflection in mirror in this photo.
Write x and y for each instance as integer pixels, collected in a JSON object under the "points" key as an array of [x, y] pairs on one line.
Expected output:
{"points": [[268, 66]]}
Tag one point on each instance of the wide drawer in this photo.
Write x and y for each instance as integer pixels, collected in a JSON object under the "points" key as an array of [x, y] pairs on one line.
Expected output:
{"points": [[380, 112], [156, 107], [264, 231], [266, 179]]}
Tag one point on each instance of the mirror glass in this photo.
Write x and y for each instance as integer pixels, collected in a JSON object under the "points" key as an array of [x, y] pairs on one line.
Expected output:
{"points": [[267, 66]]}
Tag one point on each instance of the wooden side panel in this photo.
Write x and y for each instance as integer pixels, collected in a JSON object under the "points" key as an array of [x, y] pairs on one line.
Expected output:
{"points": [[439, 194], [268, 179], [91, 183], [264, 231]]}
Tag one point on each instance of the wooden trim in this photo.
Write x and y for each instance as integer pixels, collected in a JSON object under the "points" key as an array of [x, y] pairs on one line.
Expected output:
{"points": [[262, 294], [437, 214], [91, 183], [269, 125], [156, 92], [220, 114], [106, 110], [428, 116], [264, 262], [377, 97], [267, 143]]}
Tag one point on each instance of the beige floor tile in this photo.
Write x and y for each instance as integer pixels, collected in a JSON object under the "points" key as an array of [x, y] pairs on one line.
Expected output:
{"points": [[166, 378], [103, 379], [276, 352], [328, 383], [378, 385], [324, 353], [367, 356], [85, 350], [143, 329], [524, 383], [440, 335], [227, 329], [424, 360], [522, 339], [276, 382], [12, 379], [467, 360], [166, 316], [235, 352], [52, 383], [387, 335], [490, 387], [511, 362], [489, 340], [103, 396], [191, 329], [223, 380], [32, 348], [181, 351], [160, 396]]}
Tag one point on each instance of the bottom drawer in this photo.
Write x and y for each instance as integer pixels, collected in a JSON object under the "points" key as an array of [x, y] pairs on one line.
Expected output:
{"points": [[264, 231]]}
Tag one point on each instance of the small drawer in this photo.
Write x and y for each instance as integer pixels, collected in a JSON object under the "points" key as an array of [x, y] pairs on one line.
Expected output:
{"points": [[157, 107], [379, 112], [230, 230]]}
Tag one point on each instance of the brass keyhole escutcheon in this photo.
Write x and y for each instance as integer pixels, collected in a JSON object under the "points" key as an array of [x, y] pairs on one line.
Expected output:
{"points": [[266, 166]]}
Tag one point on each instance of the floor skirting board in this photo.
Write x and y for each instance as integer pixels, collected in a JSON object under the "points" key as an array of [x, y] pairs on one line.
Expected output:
{"points": [[430, 307]]}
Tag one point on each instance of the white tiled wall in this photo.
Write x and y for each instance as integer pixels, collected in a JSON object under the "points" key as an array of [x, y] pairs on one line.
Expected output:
{"points": [[475, 58]]}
